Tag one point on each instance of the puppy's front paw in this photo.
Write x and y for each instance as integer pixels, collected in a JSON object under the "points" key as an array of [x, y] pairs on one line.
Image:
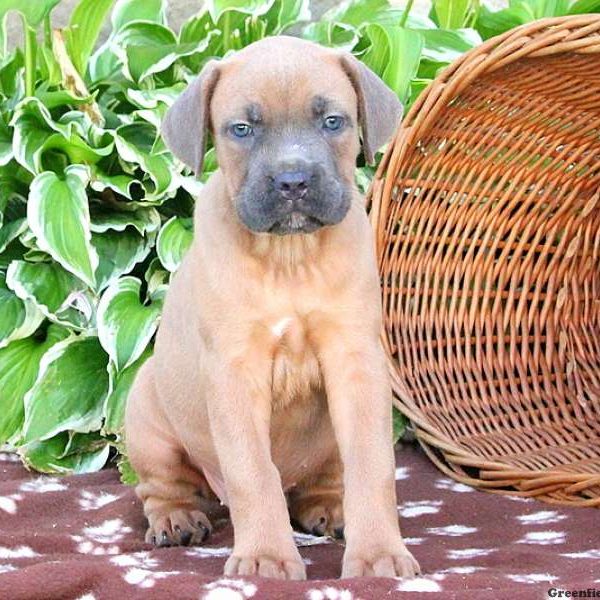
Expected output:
{"points": [[178, 527], [266, 566], [384, 564]]}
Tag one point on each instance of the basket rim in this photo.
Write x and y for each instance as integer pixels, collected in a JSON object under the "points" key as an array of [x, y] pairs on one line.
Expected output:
{"points": [[544, 37], [552, 35]]}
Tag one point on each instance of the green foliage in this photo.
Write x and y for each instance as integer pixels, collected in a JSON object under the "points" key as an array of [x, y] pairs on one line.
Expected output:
{"points": [[174, 239], [519, 12], [96, 214], [125, 325], [84, 28]]}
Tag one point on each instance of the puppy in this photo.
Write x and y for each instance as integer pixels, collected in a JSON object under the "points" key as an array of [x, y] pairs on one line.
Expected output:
{"points": [[268, 388]]}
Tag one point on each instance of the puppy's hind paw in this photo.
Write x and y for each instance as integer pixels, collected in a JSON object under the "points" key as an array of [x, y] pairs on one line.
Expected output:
{"points": [[319, 515], [178, 527]]}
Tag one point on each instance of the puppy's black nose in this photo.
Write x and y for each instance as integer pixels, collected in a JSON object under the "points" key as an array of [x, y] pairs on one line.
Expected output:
{"points": [[292, 184]]}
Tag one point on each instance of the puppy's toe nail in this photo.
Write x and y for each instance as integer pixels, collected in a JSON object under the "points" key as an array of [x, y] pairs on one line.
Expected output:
{"points": [[185, 537], [205, 532], [338, 532], [154, 540], [164, 539]]}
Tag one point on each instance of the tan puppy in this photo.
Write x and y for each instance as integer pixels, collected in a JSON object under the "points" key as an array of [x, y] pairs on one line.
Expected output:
{"points": [[268, 374]]}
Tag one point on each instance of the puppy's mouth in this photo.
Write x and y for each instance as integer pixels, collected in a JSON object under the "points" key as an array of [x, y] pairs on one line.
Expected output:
{"points": [[296, 222]]}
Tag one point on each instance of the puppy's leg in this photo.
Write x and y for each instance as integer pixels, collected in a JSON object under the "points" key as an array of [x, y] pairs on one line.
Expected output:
{"points": [[316, 503], [240, 411], [169, 486], [359, 399]]}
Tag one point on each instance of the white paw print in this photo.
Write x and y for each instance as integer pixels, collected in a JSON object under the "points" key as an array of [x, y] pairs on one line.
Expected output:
{"points": [[43, 485], [202, 552], [420, 584], [140, 569], [593, 553], [91, 501], [413, 541], [543, 538], [402, 473], [329, 593], [9, 503], [533, 578], [101, 539], [541, 517], [452, 530], [454, 486], [416, 509], [469, 553], [141, 560], [229, 589], [18, 552], [144, 578], [468, 570]]}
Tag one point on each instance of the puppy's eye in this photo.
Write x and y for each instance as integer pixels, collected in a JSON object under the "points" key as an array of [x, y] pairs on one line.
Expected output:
{"points": [[333, 123], [241, 130]]}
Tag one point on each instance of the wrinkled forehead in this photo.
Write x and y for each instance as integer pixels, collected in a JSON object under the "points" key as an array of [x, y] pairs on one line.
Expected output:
{"points": [[282, 88]]}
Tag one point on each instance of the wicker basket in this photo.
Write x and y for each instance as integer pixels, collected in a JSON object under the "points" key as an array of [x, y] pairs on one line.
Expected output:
{"points": [[486, 209]]}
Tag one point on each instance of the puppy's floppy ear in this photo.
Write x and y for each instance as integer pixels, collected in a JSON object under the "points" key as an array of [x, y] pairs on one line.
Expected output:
{"points": [[379, 110], [186, 122]]}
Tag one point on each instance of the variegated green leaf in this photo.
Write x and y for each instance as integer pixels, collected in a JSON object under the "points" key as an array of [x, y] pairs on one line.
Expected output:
{"points": [[135, 144], [11, 231], [37, 134], [84, 28], [125, 324], [152, 98], [120, 384], [394, 54], [34, 11], [144, 220], [146, 49], [127, 11], [6, 147], [69, 391], [156, 276], [173, 241], [67, 452], [59, 295], [18, 318], [19, 363], [119, 252], [58, 215]]}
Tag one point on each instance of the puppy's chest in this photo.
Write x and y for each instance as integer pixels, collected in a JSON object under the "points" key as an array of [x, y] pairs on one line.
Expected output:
{"points": [[296, 373]]}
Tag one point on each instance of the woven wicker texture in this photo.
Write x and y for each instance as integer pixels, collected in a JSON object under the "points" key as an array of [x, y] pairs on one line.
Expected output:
{"points": [[486, 209]]}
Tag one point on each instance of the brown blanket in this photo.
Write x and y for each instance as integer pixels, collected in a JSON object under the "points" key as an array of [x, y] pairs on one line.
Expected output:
{"points": [[82, 537]]}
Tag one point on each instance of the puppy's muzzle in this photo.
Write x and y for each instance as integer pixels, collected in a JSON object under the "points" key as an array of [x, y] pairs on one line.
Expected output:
{"points": [[288, 195], [293, 188]]}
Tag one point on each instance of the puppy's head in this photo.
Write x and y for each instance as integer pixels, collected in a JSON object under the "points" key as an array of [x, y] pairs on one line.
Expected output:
{"points": [[285, 115]]}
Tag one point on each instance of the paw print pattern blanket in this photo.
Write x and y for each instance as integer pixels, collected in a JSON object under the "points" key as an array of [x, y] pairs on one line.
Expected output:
{"points": [[81, 537]]}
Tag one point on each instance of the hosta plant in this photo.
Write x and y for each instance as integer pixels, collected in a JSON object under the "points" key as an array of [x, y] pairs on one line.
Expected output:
{"points": [[95, 213]]}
